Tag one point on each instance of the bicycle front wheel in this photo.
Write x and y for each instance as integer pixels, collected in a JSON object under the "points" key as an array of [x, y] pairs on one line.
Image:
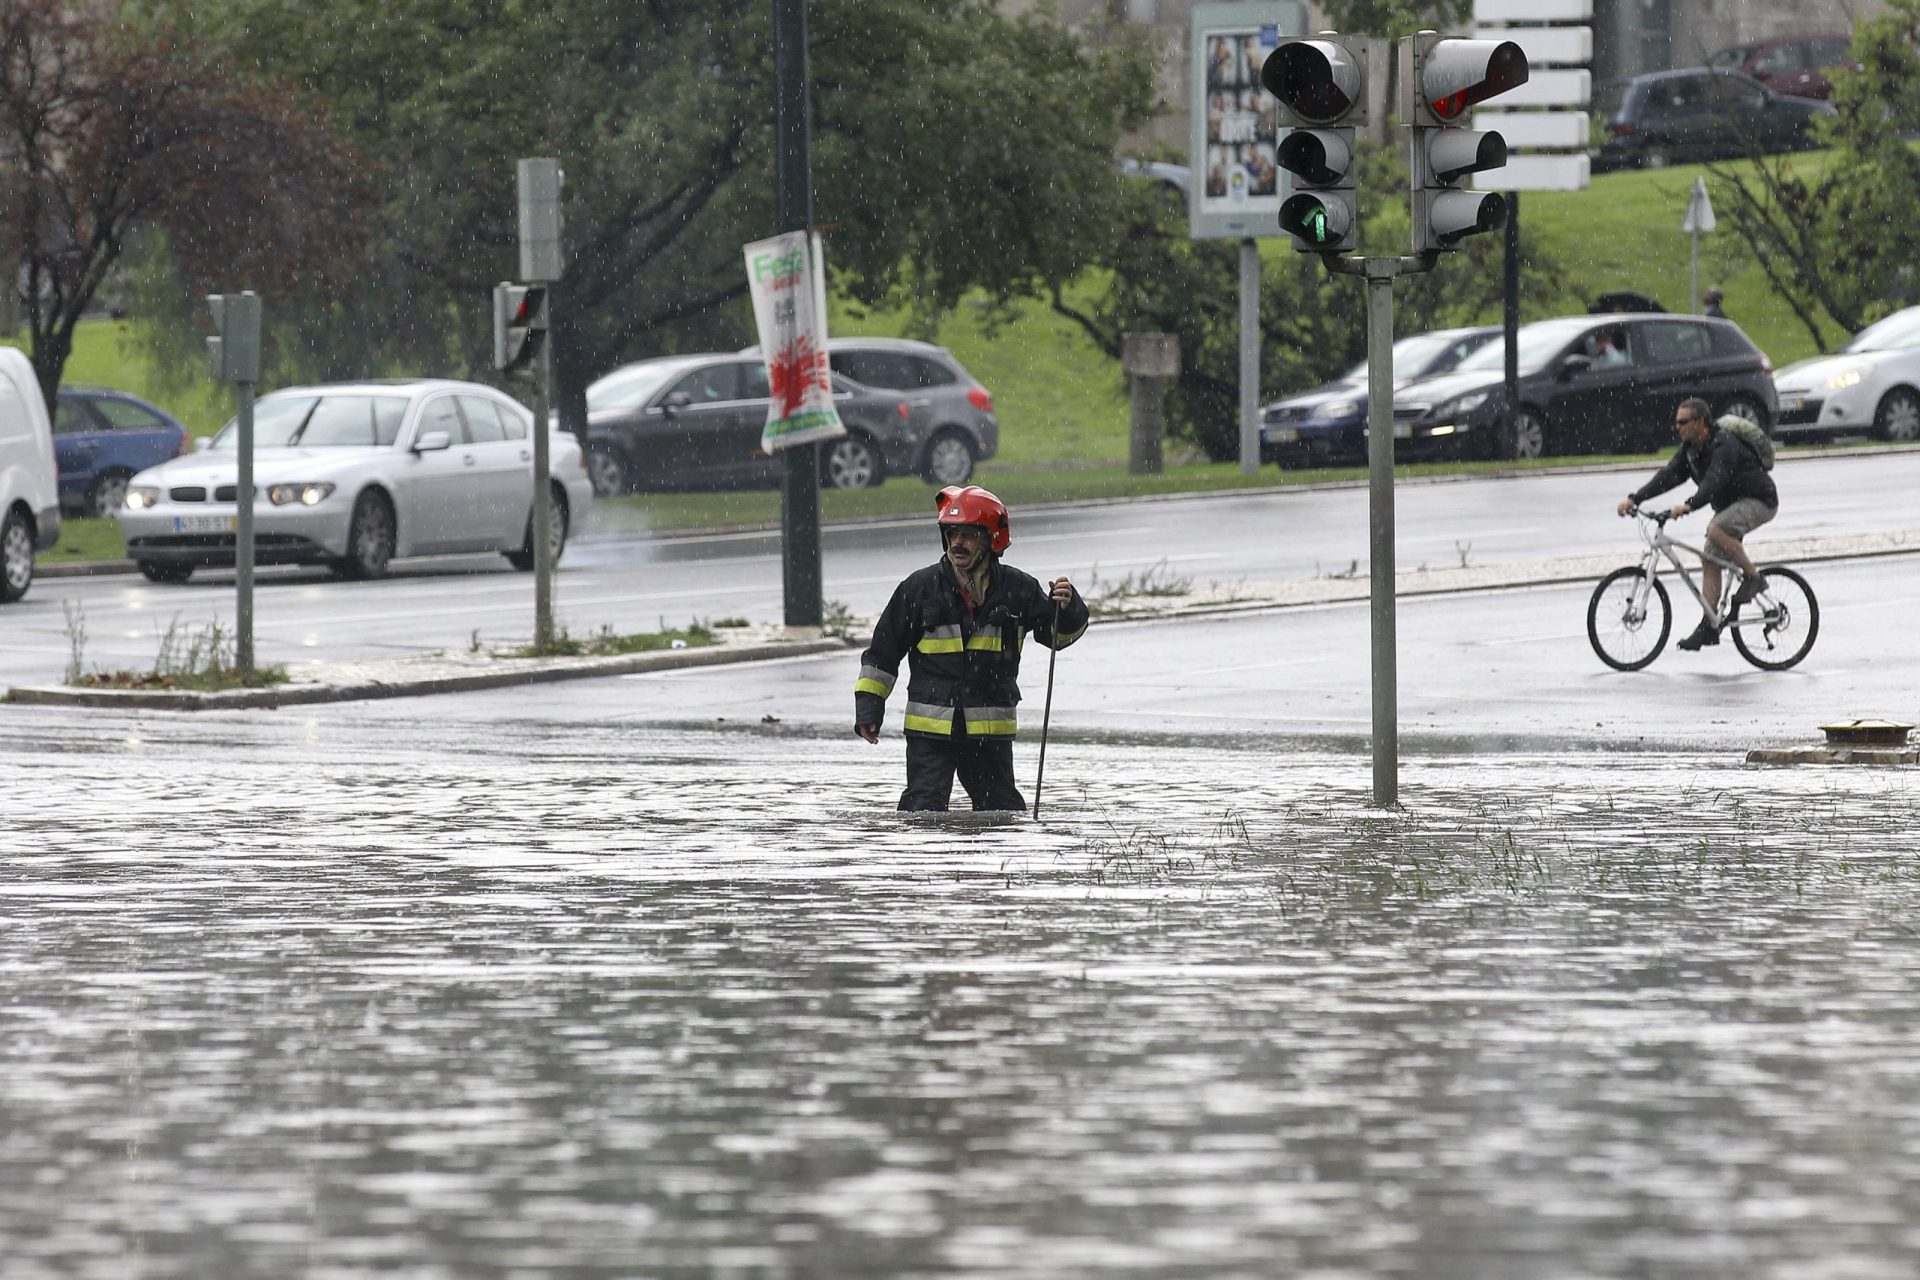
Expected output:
{"points": [[1629, 619], [1778, 627]]}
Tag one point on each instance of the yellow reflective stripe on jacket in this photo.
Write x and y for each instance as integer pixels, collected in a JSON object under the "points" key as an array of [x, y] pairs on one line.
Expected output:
{"points": [[1068, 637], [929, 717], [874, 680], [991, 722], [944, 639], [987, 640]]}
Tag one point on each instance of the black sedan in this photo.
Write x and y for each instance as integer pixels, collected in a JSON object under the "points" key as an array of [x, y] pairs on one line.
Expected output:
{"points": [[1588, 384], [694, 422], [1700, 113]]}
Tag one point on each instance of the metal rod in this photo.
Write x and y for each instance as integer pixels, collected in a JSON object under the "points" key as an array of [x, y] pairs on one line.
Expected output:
{"points": [[1046, 715], [1511, 315]]}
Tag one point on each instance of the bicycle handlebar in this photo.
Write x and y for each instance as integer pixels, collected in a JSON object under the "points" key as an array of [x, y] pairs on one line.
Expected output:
{"points": [[1658, 517]]}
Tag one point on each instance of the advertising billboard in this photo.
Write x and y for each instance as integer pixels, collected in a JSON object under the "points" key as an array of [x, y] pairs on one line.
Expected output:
{"points": [[1235, 187]]}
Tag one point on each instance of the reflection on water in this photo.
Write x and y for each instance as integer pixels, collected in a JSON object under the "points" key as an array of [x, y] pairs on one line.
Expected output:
{"points": [[309, 997]]}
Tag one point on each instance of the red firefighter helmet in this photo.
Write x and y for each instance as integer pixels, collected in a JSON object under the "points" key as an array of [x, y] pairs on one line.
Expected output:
{"points": [[974, 505]]}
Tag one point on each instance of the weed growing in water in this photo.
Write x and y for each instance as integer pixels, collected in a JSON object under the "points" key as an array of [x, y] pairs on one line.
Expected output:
{"points": [[76, 616]]}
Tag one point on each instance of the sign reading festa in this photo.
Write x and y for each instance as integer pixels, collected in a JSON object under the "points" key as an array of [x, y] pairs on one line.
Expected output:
{"points": [[1234, 187], [787, 275]]}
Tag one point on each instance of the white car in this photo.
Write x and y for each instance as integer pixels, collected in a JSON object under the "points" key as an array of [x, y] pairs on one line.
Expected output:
{"points": [[29, 497], [353, 475], [1871, 384]]}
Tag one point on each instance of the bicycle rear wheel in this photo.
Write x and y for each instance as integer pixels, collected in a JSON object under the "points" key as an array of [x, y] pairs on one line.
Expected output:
{"points": [[1629, 619], [1778, 627]]}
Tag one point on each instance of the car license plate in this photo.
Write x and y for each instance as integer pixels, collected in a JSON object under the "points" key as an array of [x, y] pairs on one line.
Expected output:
{"points": [[1282, 435], [1792, 404], [205, 524], [1403, 431]]}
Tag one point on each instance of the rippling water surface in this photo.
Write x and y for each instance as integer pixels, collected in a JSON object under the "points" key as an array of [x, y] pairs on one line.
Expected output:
{"points": [[285, 997]]}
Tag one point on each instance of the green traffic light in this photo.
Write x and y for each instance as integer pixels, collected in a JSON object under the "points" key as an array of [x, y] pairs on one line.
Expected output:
{"points": [[1314, 221]]}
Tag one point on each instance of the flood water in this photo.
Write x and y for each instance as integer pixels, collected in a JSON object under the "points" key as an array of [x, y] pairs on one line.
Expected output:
{"points": [[292, 995]]}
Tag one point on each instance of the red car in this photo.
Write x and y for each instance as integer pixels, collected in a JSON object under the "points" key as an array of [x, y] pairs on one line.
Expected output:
{"points": [[1795, 65]]}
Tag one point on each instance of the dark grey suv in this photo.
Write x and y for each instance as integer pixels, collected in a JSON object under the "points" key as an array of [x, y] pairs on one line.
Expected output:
{"points": [[1667, 117], [1588, 384], [694, 422], [952, 413]]}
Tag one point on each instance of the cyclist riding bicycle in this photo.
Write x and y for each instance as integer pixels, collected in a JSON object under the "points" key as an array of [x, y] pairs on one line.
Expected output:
{"points": [[1734, 482]]}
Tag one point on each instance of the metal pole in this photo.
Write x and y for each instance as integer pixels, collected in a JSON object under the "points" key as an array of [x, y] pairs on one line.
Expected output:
{"points": [[793, 211], [1511, 318], [1380, 571], [542, 531], [1693, 298], [243, 534], [1249, 357]]}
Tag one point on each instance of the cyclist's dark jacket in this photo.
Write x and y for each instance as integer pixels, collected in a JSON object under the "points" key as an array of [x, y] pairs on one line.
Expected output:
{"points": [[1726, 471], [963, 657]]}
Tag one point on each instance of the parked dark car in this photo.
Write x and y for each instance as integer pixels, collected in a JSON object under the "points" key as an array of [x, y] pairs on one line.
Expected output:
{"points": [[1668, 117], [1588, 384], [1328, 425], [101, 438], [694, 422], [951, 422], [1796, 65]]}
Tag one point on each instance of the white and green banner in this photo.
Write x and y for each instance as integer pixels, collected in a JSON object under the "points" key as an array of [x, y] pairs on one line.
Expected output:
{"points": [[789, 281]]}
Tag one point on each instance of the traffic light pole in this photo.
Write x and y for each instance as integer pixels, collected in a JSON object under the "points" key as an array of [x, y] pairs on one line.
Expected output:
{"points": [[541, 534], [1379, 274]]}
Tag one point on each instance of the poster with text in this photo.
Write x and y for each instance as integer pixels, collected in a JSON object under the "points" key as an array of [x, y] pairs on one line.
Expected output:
{"points": [[787, 276]]}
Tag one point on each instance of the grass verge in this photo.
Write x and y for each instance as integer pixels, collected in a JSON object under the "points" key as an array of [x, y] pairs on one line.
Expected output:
{"points": [[606, 643]]}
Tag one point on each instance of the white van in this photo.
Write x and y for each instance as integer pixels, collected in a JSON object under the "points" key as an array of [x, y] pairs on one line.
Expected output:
{"points": [[29, 492]]}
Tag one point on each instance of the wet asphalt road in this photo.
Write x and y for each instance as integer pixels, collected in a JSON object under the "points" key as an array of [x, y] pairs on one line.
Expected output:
{"points": [[635, 585], [339, 992]]}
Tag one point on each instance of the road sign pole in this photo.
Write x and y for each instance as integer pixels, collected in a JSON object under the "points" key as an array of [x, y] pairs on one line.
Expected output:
{"points": [[1249, 357], [243, 533], [538, 185], [793, 200]]}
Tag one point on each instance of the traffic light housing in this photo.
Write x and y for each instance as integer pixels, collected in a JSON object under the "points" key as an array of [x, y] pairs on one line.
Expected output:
{"points": [[1321, 84], [1440, 80], [234, 349], [519, 324]]}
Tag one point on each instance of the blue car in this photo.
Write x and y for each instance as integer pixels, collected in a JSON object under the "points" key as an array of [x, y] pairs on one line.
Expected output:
{"points": [[1328, 425], [101, 438]]}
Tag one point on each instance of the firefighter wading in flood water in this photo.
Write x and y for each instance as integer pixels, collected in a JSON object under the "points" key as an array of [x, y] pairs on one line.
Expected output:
{"points": [[963, 620]]}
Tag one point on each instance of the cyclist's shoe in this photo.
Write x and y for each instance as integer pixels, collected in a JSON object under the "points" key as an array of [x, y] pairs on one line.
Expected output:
{"points": [[1751, 587], [1704, 634]]}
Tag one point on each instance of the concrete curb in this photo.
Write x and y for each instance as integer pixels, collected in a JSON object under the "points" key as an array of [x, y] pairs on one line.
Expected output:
{"points": [[409, 677]]}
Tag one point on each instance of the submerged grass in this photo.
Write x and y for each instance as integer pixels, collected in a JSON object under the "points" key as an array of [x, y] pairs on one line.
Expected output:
{"points": [[607, 643]]}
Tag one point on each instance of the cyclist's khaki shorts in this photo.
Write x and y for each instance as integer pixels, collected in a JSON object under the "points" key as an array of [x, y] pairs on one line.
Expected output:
{"points": [[1742, 516]]}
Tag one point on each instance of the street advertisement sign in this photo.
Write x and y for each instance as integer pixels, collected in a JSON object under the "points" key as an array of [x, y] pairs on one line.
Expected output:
{"points": [[1235, 188], [787, 275]]}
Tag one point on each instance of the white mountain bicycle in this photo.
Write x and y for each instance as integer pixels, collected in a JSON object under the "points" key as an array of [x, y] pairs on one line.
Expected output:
{"points": [[1630, 616]]}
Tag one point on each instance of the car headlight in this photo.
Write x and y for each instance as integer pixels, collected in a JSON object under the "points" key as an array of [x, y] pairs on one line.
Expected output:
{"points": [[1460, 406], [140, 497], [1846, 378], [307, 495], [1338, 409]]}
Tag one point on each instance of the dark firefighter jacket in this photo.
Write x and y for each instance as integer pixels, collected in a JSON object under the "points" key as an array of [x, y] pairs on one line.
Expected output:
{"points": [[964, 658], [1726, 471]]}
